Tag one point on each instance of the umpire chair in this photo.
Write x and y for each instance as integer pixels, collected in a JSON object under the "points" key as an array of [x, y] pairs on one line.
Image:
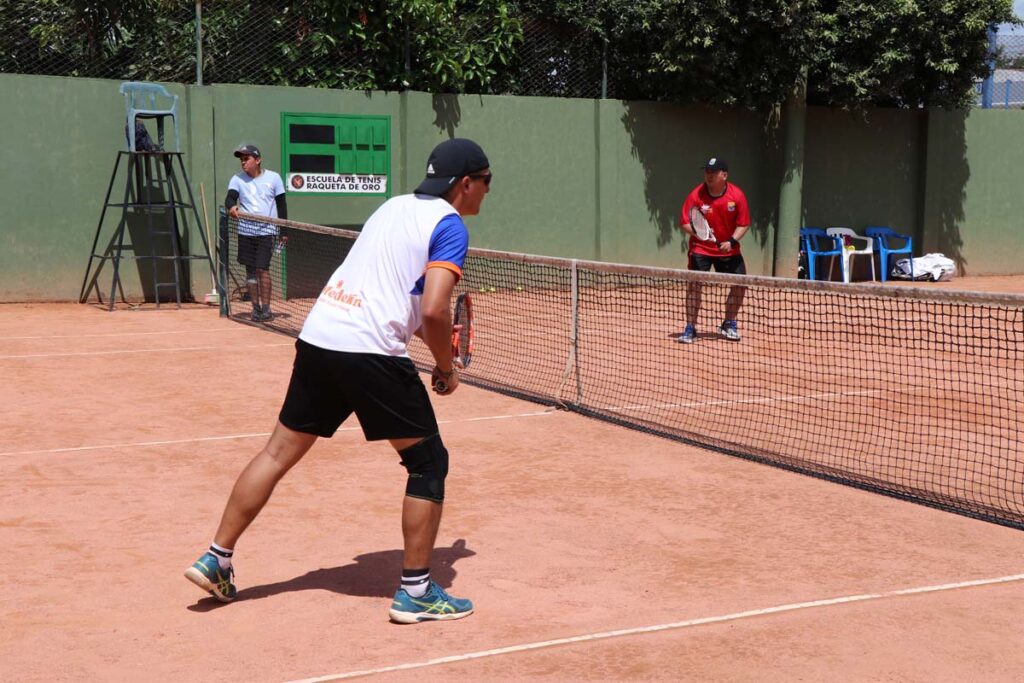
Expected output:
{"points": [[155, 212]]}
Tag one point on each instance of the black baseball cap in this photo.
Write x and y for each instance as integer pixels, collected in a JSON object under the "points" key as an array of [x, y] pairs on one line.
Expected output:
{"points": [[449, 161], [251, 150], [716, 164]]}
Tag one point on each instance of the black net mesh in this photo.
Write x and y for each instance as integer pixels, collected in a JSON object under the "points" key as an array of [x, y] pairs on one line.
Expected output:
{"points": [[905, 391]]}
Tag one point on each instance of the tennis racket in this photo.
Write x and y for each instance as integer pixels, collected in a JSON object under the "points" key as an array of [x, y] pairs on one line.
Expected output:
{"points": [[700, 225], [462, 337]]}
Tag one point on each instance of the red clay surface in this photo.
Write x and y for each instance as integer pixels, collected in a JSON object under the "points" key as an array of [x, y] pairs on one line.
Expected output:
{"points": [[123, 433]]}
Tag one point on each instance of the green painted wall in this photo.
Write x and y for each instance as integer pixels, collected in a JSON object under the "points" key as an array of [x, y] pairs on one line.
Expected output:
{"points": [[543, 159], [590, 179], [651, 158], [60, 139], [244, 114], [973, 205], [863, 169]]}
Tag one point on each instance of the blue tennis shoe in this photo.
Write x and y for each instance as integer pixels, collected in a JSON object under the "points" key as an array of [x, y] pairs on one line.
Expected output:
{"points": [[729, 330], [207, 574], [434, 605]]}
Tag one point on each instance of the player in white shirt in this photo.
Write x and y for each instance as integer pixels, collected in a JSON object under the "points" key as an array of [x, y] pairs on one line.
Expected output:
{"points": [[351, 357], [257, 191]]}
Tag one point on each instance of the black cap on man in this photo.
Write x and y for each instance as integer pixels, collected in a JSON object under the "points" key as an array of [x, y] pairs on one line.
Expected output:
{"points": [[716, 164], [247, 150], [449, 161]]}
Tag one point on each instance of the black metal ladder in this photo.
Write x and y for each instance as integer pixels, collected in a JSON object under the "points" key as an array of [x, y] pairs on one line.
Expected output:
{"points": [[153, 190]]}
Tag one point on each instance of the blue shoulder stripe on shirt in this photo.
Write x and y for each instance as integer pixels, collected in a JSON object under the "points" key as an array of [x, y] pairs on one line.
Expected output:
{"points": [[449, 243]]}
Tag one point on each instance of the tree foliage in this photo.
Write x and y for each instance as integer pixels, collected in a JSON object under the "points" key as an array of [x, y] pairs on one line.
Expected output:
{"points": [[753, 52], [904, 53], [746, 53], [437, 45]]}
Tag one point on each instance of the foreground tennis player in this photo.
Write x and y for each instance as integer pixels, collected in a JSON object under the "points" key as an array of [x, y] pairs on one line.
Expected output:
{"points": [[351, 358]]}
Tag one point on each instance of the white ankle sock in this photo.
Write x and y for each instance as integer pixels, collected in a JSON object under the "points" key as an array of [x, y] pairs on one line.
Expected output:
{"points": [[416, 582], [223, 555]]}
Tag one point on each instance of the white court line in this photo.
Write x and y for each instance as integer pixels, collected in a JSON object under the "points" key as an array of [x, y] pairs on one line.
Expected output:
{"points": [[767, 399], [130, 334], [736, 616], [138, 444], [143, 444], [233, 347], [233, 328]]}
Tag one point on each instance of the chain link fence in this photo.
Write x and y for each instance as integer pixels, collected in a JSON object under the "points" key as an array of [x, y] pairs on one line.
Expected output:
{"points": [[1006, 86], [265, 43], [264, 46], [49, 37], [559, 61], [260, 42]]}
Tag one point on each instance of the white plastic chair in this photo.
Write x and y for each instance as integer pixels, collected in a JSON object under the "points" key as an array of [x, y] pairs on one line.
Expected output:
{"points": [[850, 238], [149, 101]]}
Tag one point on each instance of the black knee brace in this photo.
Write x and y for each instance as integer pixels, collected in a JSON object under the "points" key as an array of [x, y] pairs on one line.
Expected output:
{"points": [[427, 465]]}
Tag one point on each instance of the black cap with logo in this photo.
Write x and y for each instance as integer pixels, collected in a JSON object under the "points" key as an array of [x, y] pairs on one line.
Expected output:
{"points": [[716, 164], [449, 161]]}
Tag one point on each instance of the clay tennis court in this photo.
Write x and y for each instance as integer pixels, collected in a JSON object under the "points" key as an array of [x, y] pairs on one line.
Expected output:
{"points": [[591, 552]]}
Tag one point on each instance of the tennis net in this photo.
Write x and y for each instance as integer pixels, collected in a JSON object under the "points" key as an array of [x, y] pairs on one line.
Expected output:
{"points": [[906, 391]]}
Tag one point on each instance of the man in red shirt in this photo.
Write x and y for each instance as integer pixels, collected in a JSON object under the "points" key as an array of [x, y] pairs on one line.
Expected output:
{"points": [[724, 206]]}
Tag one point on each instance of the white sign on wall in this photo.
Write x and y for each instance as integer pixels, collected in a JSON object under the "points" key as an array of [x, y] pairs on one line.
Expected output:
{"points": [[338, 183]]}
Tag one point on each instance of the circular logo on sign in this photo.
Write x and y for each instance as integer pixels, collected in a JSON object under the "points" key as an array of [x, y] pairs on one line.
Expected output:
{"points": [[298, 181]]}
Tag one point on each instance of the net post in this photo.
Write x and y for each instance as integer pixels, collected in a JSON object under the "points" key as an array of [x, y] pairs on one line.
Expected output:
{"points": [[222, 263], [572, 361]]}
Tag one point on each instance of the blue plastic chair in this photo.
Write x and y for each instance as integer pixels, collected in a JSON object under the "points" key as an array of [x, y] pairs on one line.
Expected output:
{"points": [[816, 242], [881, 237], [150, 101]]}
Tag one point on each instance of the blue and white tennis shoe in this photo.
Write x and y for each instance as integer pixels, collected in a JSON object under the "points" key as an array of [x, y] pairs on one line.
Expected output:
{"points": [[434, 605], [207, 574], [729, 330]]}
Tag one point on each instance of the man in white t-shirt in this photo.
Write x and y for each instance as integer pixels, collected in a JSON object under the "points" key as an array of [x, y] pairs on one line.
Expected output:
{"points": [[257, 191], [351, 357]]}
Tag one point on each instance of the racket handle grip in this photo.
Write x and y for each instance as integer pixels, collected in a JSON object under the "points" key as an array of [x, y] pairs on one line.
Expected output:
{"points": [[440, 386]]}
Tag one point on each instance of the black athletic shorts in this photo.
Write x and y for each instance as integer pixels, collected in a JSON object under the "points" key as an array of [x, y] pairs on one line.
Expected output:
{"points": [[255, 251], [723, 264], [385, 392]]}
